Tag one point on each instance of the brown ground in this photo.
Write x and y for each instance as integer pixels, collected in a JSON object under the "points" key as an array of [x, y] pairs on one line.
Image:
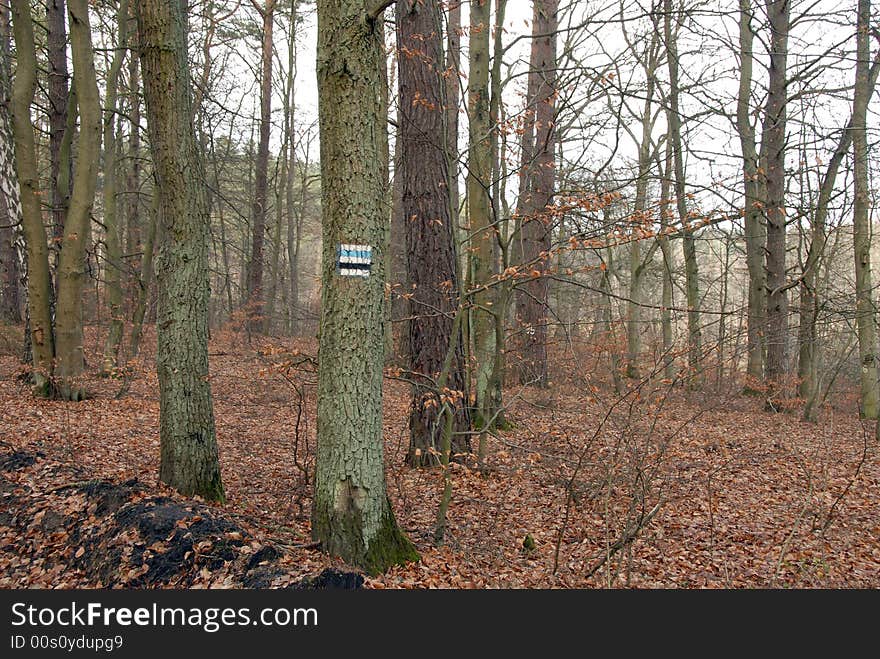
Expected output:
{"points": [[699, 489]]}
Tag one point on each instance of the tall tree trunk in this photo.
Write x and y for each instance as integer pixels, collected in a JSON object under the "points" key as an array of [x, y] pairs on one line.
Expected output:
{"points": [[133, 171], [113, 266], [189, 457], [452, 80], [69, 361], [351, 514], [425, 206], [39, 280], [536, 215], [10, 204], [637, 263], [59, 122], [752, 216], [255, 294], [692, 285], [773, 152], [482, 230], [866, 313], [668, 267]]}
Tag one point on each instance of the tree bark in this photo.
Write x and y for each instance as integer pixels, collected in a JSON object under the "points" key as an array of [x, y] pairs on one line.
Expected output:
{"points": [[425, 207], [69, 360], [537, 217], [261, 182], [773, 152], [866, 313], [10, 204], [482, 229], [39, 281], [755, 232], [113, 265], [189, 456], [351, 514], [59, 124], [692, 284]]}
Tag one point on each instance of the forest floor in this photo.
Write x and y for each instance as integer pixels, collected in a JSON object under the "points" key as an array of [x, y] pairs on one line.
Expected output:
{"points": [[660, 488]]}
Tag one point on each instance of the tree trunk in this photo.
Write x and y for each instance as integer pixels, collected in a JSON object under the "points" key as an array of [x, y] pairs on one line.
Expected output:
{"points": [[261, 183], [866, 314], [39, 282], [351, 514], [69, 361], [692, 285], [752, 217], [536, 215], [59, 124], [10, 204], [133, 183], [189, 460], [773, 152], [144, 281], [113, 265], [425, 206], [481, 226]]}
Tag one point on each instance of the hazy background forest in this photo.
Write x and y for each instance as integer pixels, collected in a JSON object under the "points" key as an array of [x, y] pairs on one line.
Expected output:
{"points": [[617, 327]]}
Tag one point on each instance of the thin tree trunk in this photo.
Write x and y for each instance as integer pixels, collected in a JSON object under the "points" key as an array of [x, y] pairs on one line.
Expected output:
{"points": [[481, 227], [866, 314], [145, 280], [261, 184], [113, 265], [755, 233], [10, 204], [58, 97], [692, 285], [189, 455]]}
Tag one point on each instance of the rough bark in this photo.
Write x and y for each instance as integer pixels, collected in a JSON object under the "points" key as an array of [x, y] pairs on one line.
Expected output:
{"points": [[189, 455], [536, 215], [755, 233], [773, 153], [39, 281], [351, 514], [255, 295], [59, 139], [425, 206]]}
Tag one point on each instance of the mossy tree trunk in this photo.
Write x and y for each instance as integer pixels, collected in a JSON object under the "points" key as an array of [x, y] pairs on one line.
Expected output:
{"points": [[351, 514], [39, 282], [189, 454]]}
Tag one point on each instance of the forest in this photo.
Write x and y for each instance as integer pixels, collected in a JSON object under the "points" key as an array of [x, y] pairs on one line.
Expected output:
{"points": [[460, 294]]}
